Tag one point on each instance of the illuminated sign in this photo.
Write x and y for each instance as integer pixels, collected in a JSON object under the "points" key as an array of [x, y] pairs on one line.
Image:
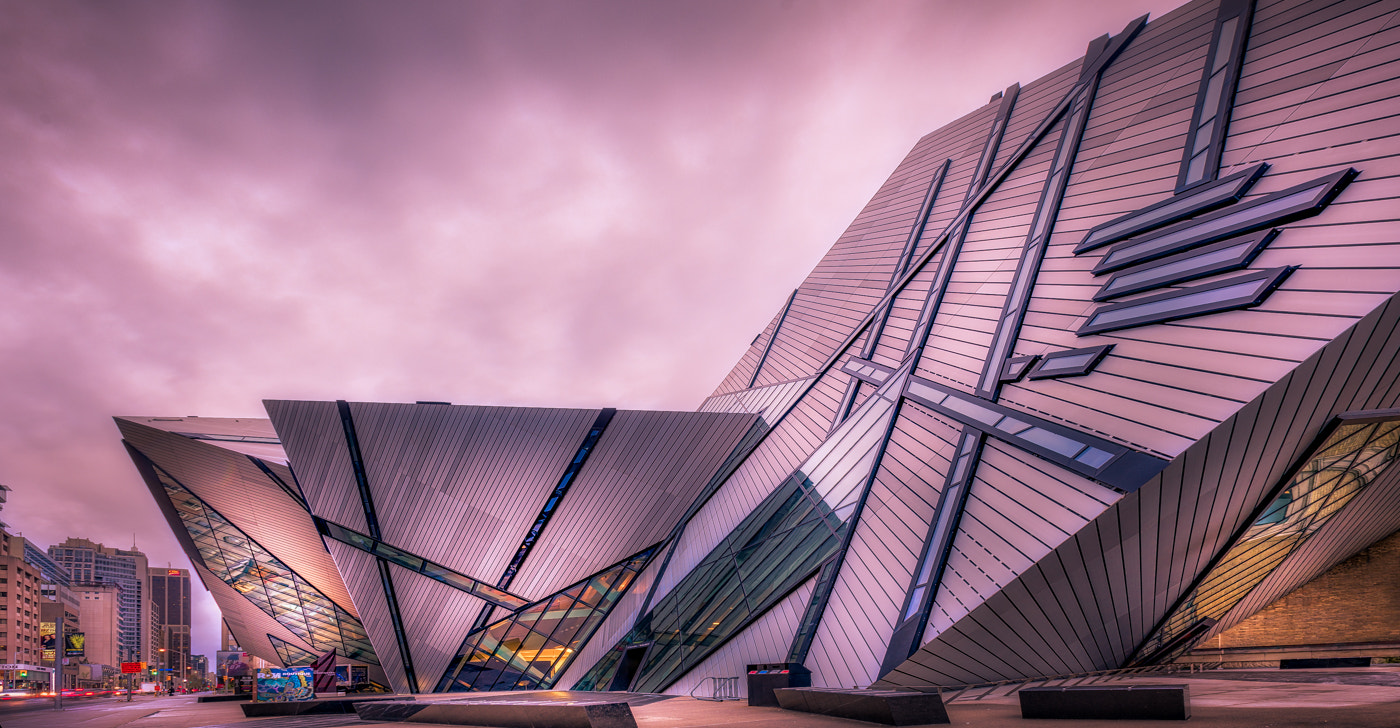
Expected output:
{"points": [[73, 644]]}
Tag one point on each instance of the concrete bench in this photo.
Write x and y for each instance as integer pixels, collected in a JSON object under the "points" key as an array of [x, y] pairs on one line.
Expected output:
{"points": [[1121, 702], [890, 707], [600, 713], [1314, 663]]}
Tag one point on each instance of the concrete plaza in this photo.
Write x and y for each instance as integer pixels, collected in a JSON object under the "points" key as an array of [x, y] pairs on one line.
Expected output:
{"points": [[1228, 699]]}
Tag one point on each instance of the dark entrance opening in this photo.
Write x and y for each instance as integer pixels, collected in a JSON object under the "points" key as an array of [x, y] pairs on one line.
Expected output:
{"points": [[627, 668]]}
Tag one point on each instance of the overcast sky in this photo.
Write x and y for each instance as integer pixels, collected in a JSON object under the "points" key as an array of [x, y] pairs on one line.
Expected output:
{"points": [[206, 204]]}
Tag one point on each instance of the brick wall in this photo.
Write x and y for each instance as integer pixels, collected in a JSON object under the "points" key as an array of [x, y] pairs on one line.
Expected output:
{"points": [[1355, 601]]}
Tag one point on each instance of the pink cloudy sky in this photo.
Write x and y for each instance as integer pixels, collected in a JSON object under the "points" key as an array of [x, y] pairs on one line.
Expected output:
{"points": [[534, 203]]}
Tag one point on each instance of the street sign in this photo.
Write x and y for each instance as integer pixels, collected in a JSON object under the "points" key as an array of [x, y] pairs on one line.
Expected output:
{"points": [[26, 667], [132, 667]]}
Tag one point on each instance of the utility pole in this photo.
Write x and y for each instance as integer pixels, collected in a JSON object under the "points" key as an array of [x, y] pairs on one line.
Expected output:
{"points": [[59, 653]]}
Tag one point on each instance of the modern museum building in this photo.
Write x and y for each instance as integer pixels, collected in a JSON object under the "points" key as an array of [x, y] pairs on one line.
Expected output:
{"points": [[1106, 374]]}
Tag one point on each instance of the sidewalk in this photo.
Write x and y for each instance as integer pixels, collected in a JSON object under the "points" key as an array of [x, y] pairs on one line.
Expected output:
{"points": [[1215, 703]]}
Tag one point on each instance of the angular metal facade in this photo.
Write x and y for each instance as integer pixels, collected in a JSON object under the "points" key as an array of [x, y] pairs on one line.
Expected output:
{"points": [[1104, 368], [227, 492]]}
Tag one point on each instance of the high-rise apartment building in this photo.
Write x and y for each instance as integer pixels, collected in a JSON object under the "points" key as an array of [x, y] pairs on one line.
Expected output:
{"points": [[92, 563], [170, 591], [20, 601], [50, 571]]}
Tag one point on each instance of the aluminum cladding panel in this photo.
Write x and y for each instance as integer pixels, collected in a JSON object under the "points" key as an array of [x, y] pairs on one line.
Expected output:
{"points": [[314, 439], [644, 473], [461, 485]]}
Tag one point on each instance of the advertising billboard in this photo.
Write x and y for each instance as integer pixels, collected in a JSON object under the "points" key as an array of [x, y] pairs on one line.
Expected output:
{"points": [[233, 664], [73, 644], [47, 630]]}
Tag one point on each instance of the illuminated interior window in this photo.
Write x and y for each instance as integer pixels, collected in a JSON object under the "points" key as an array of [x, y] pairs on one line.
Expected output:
{"points": [[532, 647], [1347, 461]]}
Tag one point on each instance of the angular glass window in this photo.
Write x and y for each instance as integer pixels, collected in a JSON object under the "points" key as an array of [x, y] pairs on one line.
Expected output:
{"points": [[240, 562], [437, 572], [1352, 456], [530, 649], [290, 654], [1294, 203], [1240, 291]]}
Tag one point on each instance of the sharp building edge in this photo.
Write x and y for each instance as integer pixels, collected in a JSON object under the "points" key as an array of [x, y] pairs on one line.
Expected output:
{"points": [[1105, 368]]}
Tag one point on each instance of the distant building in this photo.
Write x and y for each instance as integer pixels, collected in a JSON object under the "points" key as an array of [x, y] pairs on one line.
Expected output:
{"points": [[170, 590], [155, 635], [50, 571], [101, 618], [57, 597], [199, 671], [93, 563], [69, 605]]}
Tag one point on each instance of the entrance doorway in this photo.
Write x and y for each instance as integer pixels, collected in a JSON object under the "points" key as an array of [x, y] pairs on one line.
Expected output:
{"points": [[627, 668]]}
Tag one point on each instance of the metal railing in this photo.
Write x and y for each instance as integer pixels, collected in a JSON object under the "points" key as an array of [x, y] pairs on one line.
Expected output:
{"points": [[721, 688], [975, 691]]}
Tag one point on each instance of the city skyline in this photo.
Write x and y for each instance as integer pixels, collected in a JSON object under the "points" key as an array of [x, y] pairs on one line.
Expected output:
{"points": [[516, 221]]}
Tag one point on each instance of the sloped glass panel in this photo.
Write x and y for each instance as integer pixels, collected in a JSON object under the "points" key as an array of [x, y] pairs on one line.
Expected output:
{"points": [[240, 562], [530, 649], [1347, 461], [290, 654]]}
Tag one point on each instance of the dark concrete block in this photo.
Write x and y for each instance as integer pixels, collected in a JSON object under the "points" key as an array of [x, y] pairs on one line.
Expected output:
{"points": [[517, 714], [388, 710], [226, 698], [1120, 702], [325, 706], [1306, 663], [889, 707]]}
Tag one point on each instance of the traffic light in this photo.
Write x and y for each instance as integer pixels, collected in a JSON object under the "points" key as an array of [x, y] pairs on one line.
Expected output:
{"points": [[23, 674]]}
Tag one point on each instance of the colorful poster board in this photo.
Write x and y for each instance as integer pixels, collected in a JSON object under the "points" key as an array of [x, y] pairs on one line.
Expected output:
{"points": [[285, 685]]}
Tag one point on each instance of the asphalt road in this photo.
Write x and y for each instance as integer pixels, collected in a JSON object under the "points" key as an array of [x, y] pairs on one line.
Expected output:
{"points": [[29, 705]]}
